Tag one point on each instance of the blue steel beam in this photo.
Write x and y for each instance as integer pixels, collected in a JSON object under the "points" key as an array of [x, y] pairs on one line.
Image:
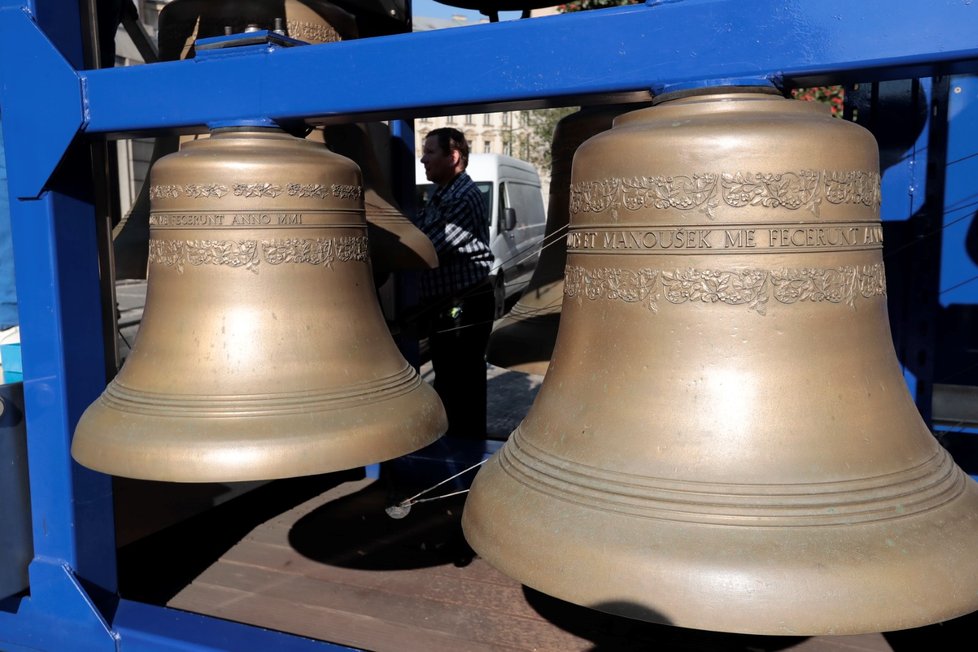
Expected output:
{"points": [[612, 50], [552, 60], [56, 273], [42, 93]]}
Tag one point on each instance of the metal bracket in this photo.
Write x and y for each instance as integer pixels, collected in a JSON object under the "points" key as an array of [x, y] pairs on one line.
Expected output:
{"points": [[43, 110], [58, 615]]}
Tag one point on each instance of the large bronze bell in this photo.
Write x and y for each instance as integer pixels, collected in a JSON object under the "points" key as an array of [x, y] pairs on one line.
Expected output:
{"points": [[724, 439], [523, 340], [262, 352]]}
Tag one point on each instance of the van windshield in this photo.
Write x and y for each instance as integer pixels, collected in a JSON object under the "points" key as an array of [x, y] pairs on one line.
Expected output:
{"points": [[426, 190]]}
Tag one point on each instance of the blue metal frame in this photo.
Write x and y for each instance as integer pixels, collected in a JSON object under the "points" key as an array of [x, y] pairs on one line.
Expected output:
{"points": [[51, 107]]}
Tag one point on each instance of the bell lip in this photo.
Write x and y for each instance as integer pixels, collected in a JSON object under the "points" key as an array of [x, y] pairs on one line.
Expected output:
{"points": [[111, 441], [755, 88], [519, 531]]}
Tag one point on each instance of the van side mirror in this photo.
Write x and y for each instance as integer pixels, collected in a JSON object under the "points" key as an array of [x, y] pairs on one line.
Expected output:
{"points": [[509, 219]]}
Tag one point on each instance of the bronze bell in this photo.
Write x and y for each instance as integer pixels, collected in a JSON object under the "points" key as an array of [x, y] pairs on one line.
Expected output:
{"points": [[523, 339], [396, 244], [724, 439], [262, 352]]}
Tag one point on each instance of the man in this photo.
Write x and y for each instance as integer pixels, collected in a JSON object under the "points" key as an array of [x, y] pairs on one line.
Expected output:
{"points": [[457, 295]]}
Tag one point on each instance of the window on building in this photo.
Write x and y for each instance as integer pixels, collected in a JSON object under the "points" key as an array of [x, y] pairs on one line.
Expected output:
{"points": [[487, 119], [507, 148], [450, 119], [425, 119], [506, 118], [468, 118], [486, 146]]}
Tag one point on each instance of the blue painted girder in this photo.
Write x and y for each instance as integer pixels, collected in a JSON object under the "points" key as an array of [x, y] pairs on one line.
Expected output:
{"points": [[550, 60], [567, 56]]}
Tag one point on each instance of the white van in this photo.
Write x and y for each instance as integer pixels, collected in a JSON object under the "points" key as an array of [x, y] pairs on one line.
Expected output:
{"points": [[517, 218]]}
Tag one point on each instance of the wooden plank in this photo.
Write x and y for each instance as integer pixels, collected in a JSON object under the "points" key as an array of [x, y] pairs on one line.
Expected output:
{"points": [[337, 568], [336, 626], [458, 587], [354, 530], [856, 643], [470, 623]]}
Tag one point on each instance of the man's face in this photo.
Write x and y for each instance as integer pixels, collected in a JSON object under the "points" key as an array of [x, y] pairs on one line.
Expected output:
{"points": [[439, 166]]}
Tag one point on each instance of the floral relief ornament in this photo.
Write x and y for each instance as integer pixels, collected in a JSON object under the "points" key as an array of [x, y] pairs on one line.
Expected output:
{"points": [[703, 192], [751, 287], [250, 253]]}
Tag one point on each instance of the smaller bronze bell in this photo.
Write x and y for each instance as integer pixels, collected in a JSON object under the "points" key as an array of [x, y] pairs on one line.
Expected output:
{"points": [[262, 352], [396, 244]]}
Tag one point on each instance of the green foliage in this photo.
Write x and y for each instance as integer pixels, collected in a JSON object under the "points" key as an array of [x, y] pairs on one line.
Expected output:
{"points": [[534, 142], [534, 145]]}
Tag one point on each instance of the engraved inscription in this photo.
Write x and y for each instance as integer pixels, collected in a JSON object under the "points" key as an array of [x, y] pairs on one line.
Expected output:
{"points": [[873, 235], [251, 219], [186, 220], [798, 236], [251, 253], [704, 192], [751, 287], [236, 219]]}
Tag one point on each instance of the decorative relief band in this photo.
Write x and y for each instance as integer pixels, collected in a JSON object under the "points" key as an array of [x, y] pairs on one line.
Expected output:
{"points": [[252, 190], [312, 32], [751, 287], [804, 189], [257, 190], [197, 190], [753, 238], [250, 253]]}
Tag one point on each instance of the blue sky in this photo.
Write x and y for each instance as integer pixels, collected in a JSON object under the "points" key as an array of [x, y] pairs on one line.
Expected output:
{"points": [[432, 9]]}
